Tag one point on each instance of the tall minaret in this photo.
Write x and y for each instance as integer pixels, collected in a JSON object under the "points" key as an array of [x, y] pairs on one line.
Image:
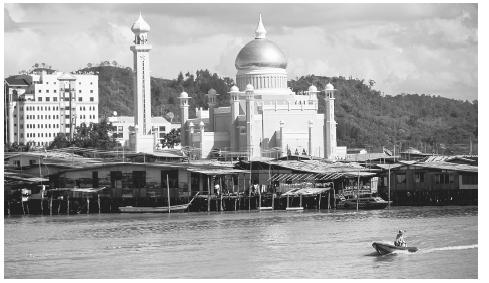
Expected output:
{"points": [[234, 96], [250, 105], [329, 124], [142, 86], [184, 116]]}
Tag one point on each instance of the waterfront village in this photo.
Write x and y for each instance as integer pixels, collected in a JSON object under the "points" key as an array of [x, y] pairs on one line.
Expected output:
{"points": [[269, 150]]}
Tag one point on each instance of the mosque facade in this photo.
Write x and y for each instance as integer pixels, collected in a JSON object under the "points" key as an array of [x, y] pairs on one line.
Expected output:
{"points": [[265, 117]]}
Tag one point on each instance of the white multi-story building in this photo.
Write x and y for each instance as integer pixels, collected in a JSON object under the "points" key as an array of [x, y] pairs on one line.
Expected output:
{"points": [[44, 103]]}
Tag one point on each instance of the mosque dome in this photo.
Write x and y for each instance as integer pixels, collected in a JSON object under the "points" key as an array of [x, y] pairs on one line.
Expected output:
{"points": [[249, 87], [329, 86], [140, 26], [212, 91], [260, 52], [183, 95], [313, 88], [234, 89]]}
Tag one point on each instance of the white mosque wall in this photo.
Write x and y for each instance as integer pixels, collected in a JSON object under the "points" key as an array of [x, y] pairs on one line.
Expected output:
{"points": [[222, 121]]}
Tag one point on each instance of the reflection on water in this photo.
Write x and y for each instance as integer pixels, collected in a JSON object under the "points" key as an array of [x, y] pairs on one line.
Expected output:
{"points": [[272, 244]]}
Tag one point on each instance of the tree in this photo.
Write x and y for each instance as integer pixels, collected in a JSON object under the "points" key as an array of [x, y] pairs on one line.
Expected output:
{"points": [[60, 141], [170, 116], [172, 138], [114, 63], [89, 65]]}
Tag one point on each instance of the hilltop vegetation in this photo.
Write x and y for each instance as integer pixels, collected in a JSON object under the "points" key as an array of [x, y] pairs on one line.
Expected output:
{"points": [[365, 118]]}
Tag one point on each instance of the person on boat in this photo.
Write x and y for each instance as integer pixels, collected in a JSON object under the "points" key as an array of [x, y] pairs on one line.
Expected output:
{"points": [[400, 242]]}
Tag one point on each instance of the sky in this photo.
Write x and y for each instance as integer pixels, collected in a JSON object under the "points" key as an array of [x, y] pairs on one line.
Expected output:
{"points": [[405, 48]]}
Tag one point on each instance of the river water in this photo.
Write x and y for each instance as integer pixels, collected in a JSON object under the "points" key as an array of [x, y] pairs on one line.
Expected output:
{"points": [[278, 244]]}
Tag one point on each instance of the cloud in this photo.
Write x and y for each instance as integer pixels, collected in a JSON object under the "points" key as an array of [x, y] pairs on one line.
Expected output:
{"points": [[417, 48]]}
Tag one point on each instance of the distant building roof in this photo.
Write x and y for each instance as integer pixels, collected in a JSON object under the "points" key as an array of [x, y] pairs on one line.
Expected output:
{"points": [[130, 120], [20, 80]]}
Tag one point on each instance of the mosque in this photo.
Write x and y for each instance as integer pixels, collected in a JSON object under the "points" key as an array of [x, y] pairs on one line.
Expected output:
{"points": [[264, 119]]}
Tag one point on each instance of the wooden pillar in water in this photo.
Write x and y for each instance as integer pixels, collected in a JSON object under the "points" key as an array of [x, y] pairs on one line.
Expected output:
{"points": [[329, 200], [42, 200], [220, 192], [98, 202], [273, 199], [319, 205], [334, 197], [51, 204], [208, 195], [59, 205], [287, 201], [88, 205], [259, 200], [68, 204], [22, 202], [249, 199], [300, 200], [168, 193]]}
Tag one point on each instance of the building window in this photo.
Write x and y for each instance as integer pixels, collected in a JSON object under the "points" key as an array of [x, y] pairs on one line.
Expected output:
{"points": [[48, 99], [91, 91], [469, 179], [419, 177], [79, 99], [39, 99], [39, 91], [55, 99], [79, 91], [442, 179], [54, 91], [47, 90], [92, 99], [67, 116], [162, 128]]}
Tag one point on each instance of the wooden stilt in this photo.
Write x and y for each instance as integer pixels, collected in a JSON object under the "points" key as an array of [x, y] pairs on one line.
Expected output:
{"points": [[208, 195], [300, 200], [287, 201], [42, 200], [51, 204], [259, 200], [168, 193], [319, 202], [59, 205], [273, 200], [88, 205], [98, 202], [220, 192], [329, 201], [68, 205], [334, 197]]}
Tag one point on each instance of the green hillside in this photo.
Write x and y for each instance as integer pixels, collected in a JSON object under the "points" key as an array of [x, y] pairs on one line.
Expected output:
{"points": [[365, 118]]}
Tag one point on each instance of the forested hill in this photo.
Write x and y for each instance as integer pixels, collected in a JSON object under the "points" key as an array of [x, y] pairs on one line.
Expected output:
{"points": [[365, 118]]}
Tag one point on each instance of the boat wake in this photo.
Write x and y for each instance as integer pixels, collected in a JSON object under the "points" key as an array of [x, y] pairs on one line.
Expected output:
{"points": [[452, 248]]}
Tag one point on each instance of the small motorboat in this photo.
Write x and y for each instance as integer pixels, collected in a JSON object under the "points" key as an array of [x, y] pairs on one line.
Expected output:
{"points": [[384, 248]]}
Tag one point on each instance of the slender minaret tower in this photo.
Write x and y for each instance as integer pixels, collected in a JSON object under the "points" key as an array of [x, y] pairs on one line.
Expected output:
{"points": [[142, 88], [329, 124], [184, 116], [250, 104], [211, 94], [234, 96]]}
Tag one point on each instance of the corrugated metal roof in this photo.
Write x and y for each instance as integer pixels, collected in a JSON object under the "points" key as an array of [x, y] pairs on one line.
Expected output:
{"points": [[447, 166], [305, 191]]}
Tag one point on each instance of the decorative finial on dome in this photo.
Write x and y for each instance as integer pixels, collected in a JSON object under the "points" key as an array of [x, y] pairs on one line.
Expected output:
{"points": [[140, 26], [260, 32]]}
